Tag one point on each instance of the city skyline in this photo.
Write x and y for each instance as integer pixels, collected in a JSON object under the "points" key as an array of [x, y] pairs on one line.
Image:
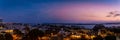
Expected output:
{"points": [[60, 11]]}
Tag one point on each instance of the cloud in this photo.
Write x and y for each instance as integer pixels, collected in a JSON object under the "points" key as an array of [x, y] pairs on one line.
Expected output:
{"points": [[113, 14], [116, 15], [108, 16]]}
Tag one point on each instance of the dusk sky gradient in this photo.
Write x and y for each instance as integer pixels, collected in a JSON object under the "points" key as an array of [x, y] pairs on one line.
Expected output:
{"points": [[59, 11]]}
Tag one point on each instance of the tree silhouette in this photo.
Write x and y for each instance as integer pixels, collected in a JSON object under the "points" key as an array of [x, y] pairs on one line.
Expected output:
{"points": [[98, 26], [35, 33]]}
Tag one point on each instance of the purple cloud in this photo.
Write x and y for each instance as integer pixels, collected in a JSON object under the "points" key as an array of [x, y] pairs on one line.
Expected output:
{"points": [[113, 14], [116, 15]]}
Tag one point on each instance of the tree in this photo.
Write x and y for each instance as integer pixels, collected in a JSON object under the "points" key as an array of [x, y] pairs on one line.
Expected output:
{"points": [[34, 34], [98, 26]]}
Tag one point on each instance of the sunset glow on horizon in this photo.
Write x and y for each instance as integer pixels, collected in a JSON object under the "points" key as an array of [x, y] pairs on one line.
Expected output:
{"points": [[60, 12], [78, 12]]}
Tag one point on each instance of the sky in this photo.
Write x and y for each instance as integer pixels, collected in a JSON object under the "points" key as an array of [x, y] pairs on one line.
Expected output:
{"points": [[60, 11]]}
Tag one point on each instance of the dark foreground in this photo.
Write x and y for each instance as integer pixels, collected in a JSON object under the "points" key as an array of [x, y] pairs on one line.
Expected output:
{"points": [[58, 32]]}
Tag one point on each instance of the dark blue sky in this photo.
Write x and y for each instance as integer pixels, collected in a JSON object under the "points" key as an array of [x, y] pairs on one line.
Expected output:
{"points": [[40, 11]]}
